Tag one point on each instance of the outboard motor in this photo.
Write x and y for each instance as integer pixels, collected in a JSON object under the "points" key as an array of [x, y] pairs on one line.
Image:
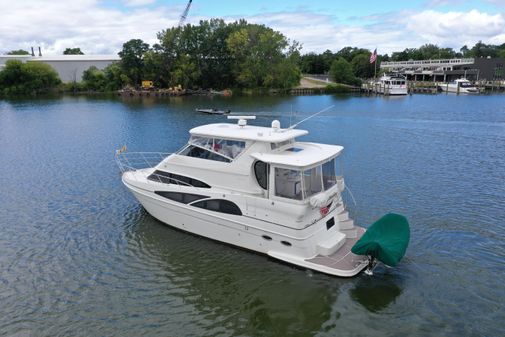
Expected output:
{"points": [[385, 240]]}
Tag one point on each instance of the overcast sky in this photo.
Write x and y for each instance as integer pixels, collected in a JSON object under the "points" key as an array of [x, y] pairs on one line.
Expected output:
{"points": [[102, 26]]}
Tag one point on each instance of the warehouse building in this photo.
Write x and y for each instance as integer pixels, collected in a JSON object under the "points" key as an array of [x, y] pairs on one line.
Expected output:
{"points": [[69, 67]]}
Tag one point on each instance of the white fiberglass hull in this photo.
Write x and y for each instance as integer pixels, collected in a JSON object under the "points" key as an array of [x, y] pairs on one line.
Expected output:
{"points": [[245, 232], [392, 90], [454, 89]]}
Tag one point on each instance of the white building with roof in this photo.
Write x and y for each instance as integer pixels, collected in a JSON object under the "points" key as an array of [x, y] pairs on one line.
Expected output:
{"points": [[69, 67]]}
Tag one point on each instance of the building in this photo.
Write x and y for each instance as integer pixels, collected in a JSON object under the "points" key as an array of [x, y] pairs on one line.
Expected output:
{"points": [[445, 70], [69, 67]]}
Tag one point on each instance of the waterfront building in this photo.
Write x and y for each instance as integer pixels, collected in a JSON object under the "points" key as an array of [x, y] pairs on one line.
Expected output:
{"points": [[69, 67], [445, 70]]}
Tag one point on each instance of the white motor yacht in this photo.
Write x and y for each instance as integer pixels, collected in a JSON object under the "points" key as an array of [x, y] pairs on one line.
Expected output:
{"points": [[459, 86], [391, 85], [253, 187]]}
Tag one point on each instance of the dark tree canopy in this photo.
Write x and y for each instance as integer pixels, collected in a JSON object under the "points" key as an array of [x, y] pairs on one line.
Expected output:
{"points": [[18, 52], [341, 72], [73, 51], [132, 59], [18, 78]]}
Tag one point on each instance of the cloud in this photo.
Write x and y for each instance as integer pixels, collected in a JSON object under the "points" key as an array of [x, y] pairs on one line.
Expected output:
{"points": [[136, 3], [56, 25], [455, 29]]}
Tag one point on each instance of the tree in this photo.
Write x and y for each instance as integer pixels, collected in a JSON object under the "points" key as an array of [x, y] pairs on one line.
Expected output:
{"points": [[348, 53], [132, 59], [19, 78], [341, 72], [94, 79], [116, 79], [220, 55], [73, 51], [259, 58], [362, 67], [18, 52]]}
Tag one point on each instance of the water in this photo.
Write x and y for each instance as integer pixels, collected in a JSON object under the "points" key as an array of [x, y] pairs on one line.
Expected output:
{"points": [[80, 257]]}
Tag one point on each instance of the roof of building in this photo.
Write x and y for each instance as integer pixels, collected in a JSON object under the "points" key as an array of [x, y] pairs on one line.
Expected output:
{"points": [[15, 56], [48, 58], [248, 132], [301, 155]]}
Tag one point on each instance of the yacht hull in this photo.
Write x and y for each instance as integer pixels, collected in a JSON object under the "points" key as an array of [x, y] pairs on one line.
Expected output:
{"points": [[239, 231]]}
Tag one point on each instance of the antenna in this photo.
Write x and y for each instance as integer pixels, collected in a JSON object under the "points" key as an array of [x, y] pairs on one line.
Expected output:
{"points": [[313, 115]]}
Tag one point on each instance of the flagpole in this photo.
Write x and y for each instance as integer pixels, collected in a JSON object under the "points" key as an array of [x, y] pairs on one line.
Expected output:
{"points": [[375, 68], [376, 58]]}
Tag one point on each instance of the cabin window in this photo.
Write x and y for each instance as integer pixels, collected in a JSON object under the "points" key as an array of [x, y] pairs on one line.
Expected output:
{"points": [[261, 173], [312, 181], [171, 178], [329, 175], [185, 198], [198, 152], [226, 148], [288, 183], [219, 205]]}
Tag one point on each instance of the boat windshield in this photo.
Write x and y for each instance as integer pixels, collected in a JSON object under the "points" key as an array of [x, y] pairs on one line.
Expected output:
{"points": [[299, 185], [213, 148]]}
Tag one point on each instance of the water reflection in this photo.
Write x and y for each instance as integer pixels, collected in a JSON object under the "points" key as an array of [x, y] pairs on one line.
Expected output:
{"points": [[376, 293], [234, 290]]}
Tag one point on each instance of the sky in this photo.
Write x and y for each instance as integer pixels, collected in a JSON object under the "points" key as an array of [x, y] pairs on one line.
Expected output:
{"points": [[102, 26]]}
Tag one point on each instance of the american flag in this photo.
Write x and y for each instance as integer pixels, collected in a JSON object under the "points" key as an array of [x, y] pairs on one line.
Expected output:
{"points": [[373, 57]]}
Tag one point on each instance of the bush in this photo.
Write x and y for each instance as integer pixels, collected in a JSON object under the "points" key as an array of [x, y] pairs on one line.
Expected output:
{"points": [[337, 88], [19, 78]]}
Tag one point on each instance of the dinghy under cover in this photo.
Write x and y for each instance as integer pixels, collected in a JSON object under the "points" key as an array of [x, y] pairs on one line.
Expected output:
{"points": [[386, 240]]}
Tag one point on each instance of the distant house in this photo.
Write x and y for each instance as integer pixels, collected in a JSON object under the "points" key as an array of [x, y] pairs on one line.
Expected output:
{"points": [[489, 69], [69, 67]]}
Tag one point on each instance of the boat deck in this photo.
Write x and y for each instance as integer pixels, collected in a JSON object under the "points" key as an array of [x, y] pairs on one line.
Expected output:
{"points": [[343, 259]]}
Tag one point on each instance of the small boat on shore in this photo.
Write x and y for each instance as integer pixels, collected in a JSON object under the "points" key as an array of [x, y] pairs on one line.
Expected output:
{"points": [[259, 188], [213, 111], [459, 86]]}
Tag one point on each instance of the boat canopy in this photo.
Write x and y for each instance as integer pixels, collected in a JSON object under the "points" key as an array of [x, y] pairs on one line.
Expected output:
{"points": [[300, 155]]}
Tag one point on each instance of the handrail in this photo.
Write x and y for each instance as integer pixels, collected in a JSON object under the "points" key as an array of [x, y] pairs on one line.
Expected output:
{"points": [[134, 161]]}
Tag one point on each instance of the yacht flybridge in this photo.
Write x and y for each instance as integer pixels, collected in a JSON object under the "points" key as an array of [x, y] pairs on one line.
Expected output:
{"points": [[257, 188]]}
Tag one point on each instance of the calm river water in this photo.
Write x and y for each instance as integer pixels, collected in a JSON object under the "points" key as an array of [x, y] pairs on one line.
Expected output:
{"points": [[80, 257]]}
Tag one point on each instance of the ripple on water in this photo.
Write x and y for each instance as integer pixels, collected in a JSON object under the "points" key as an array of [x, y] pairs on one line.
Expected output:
{"points": [[80, 257]]}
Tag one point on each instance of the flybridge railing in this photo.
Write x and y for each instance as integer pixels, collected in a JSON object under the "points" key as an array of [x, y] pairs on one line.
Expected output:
{"points": [[133, 161]]}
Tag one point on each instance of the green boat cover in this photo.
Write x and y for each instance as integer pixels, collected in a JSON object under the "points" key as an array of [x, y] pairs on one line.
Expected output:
{"points": [[386, 240]]}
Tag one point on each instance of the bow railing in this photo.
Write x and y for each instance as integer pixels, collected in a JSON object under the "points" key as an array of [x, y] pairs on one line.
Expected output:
{"points": [[133, 161]]}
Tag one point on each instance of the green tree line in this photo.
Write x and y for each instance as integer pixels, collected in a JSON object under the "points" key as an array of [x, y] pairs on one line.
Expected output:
{"points": [[212, 54], [216, 54]]}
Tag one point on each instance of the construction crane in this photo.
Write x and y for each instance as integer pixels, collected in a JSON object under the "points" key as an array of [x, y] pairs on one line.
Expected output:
{"points": [[185, 14]]}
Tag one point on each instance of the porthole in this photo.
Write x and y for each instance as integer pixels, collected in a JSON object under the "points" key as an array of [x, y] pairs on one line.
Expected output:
{"points": [[266, 237], [285, 243]]}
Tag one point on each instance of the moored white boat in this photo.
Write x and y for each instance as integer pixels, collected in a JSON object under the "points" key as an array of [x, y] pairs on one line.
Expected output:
{"points": [[253, 187], [459, 86], [394, 84]]}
